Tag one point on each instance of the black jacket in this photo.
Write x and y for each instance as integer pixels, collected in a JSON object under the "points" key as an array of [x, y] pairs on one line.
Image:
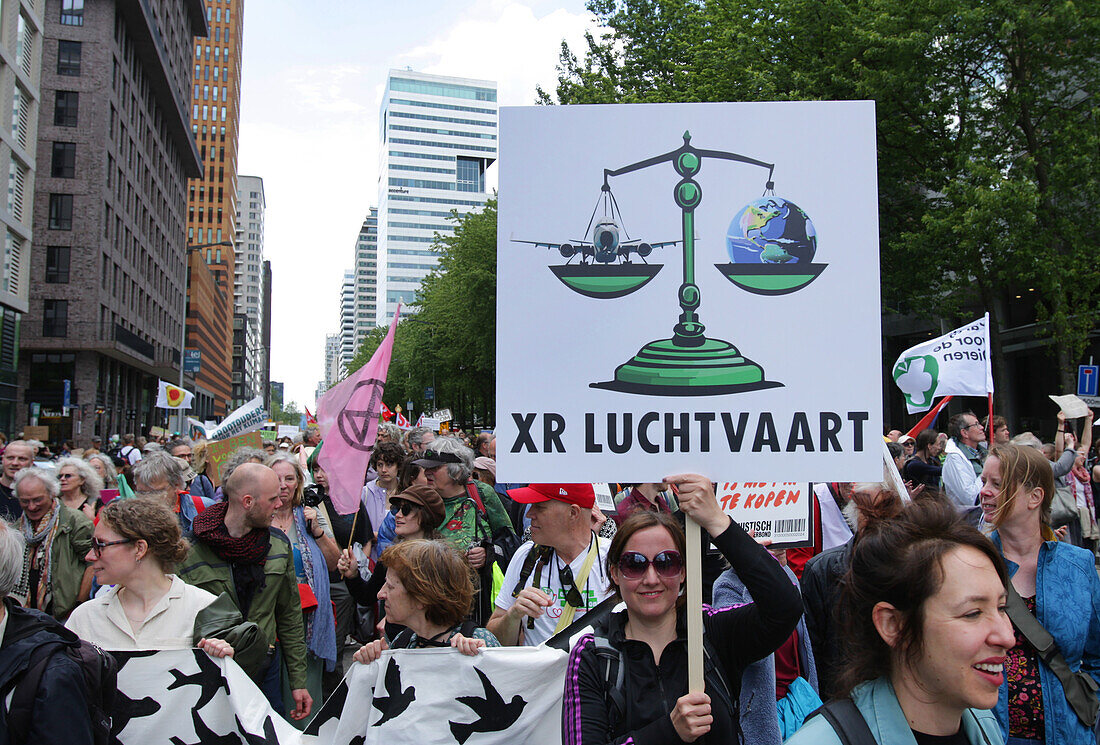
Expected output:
{"points": [[60, 715], [820, 593], [738, 636]]}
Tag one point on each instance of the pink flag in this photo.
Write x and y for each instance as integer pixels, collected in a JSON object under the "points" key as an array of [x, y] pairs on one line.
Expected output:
{"points": [[348, 417]]}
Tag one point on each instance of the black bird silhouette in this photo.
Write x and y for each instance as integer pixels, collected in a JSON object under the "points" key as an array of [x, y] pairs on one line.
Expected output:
{"points": [[206, 735], [126, 708], [209, 677], [494, 715], [269, 737], [331, 709], [393, 705]]}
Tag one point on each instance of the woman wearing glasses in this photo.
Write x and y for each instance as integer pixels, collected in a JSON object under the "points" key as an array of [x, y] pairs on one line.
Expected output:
{"points": [[418, 513], [80, 485], [135, 542], [628, 681]]}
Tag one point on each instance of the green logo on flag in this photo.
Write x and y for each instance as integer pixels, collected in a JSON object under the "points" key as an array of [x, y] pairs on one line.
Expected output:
{"points": [[917, 377]]}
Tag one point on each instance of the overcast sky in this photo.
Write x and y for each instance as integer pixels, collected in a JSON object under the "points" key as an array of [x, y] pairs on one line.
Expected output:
{"points": [[313, 75]]}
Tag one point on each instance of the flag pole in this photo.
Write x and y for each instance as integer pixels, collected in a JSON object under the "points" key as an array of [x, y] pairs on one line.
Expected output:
{"points": [[694, 606]]}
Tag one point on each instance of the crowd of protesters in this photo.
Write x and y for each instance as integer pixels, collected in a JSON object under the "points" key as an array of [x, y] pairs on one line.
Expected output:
{"points": [[965, 610]]}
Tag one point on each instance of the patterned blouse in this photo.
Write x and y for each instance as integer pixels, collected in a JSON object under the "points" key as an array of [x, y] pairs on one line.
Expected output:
{"points": [[1025, 694]]}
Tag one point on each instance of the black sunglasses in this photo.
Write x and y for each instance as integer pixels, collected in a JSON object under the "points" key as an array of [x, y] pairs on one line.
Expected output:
{"points": [[634, 565], [98, 545], [403, 506], [439, 457]]}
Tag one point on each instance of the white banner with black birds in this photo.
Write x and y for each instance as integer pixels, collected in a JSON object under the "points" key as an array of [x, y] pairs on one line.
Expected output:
{"points": [[507, 695]]}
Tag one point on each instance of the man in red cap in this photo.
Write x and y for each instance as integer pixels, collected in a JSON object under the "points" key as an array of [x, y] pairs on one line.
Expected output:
{"points": [[559, 574]]}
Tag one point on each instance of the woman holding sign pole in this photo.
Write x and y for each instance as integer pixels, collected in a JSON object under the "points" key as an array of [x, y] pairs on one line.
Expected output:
{"points": [[628, 681]]}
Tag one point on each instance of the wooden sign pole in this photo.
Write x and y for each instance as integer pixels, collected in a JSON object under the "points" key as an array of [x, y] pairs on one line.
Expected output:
{"points": [[694, 606]]}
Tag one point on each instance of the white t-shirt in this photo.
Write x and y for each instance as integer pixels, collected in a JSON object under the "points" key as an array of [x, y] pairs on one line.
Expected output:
{"points": [[595, 588], [131, 454]]}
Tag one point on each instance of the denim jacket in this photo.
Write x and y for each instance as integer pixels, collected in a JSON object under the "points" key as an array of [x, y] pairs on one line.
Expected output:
{"points": [[1067, 604]]}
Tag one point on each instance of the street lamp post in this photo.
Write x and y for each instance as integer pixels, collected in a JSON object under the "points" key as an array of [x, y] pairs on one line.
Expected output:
{"points": [[183, 325]]}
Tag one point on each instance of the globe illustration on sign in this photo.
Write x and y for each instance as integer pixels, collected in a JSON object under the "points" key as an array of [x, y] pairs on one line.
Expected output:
{"points": [[771, 230], [771, 244]]}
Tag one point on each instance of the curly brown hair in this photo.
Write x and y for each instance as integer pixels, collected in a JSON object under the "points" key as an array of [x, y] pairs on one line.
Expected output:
{"points": [[900, 562], [150, 521], [436, 576]]}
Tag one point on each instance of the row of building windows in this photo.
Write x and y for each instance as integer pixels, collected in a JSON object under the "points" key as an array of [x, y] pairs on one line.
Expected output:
{"points": [[450, 90], [412, 239], [425, 213], [423, 156], [203, 71], [412, 252], [447, 119], [206, 111], [415, 183], [450, 145], [419, 226], [216, 15], [399, 265], [445, 132], [436, 200], [447, 106], [422, 169], [205, 93]]}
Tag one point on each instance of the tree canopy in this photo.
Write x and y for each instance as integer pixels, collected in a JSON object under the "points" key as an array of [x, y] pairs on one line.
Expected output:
{"points": [[988, 133]]}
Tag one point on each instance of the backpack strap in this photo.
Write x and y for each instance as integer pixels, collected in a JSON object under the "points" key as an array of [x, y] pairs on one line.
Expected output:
{"points": [[613, 674], [535, 555], [846, 720], [199, 504], [472, 493]]}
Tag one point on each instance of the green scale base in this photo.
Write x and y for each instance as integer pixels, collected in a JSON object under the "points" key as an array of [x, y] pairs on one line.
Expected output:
{"points": [[662, 368]]}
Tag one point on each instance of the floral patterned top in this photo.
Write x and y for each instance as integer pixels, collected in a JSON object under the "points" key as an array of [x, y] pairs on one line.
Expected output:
{"points": [[1025, 694]]}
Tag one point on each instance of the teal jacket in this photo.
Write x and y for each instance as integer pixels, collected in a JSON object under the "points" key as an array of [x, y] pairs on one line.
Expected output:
{"points": [[1067, 604], [877, 703]]}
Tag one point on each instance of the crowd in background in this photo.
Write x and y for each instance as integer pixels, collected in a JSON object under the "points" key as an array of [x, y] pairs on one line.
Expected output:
{"points": [[913, 616]]}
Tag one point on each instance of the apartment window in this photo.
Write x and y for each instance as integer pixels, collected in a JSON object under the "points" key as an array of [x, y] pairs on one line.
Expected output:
{"points": [[57, 264], [72, 12], [66, 105], [55, 318], [64, 160], [68, 58], [61, 212]]}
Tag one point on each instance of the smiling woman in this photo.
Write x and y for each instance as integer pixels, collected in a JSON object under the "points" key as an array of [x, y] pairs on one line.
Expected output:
{"points": [[925, 630]]}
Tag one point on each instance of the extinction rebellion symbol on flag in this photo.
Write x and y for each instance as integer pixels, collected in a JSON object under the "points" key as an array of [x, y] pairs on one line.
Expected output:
{"points": [[354, 422]]}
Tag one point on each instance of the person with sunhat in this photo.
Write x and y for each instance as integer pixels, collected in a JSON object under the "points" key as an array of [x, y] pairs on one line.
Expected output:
{"points": [[559, 574]]}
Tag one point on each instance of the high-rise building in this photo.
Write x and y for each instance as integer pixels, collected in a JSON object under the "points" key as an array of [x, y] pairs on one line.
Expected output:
{"points": [[20, 71], [215, 79], [248, 361], [366, 277], [347, 320], [265, 335], [332, 360], [439, 135], [109, 248]]}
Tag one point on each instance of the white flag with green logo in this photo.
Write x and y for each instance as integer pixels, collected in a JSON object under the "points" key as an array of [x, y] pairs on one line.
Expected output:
{"points": [[955, 364]]}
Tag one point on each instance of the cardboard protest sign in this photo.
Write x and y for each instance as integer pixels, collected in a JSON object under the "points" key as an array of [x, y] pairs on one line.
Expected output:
{"points": [[758, 344], [287, 430], [781, 511], [40, 433], [268, 435], [217, 451]]}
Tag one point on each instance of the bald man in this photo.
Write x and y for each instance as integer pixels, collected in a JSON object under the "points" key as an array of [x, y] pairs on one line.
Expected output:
{"points": [[236, 551]]}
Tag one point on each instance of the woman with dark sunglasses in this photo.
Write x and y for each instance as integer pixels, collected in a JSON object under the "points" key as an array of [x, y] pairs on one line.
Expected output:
{"points": [[418, 513], [642, 696]]}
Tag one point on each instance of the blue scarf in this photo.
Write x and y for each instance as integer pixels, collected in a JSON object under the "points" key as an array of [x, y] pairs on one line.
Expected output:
{"points": [[321, 623]]}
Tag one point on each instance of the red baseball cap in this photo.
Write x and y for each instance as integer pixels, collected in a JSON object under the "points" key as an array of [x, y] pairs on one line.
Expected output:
{"points": [[578, 494]]}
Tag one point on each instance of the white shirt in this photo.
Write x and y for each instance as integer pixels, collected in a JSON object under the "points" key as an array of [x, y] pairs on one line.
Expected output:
{"points": [[132, 456], [959, 481], [595, 588], [169, 625], [834, 528]]}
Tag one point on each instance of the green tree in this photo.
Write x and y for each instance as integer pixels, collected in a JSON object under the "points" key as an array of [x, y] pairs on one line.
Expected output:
{"points": [[447, 340], [988, 138]]}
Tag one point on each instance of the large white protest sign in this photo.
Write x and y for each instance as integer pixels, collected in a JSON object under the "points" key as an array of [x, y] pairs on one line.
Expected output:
{"points": [[248, 417], [688, 287], [955, 364], [501, 696], [780, 511], [185, 697]]}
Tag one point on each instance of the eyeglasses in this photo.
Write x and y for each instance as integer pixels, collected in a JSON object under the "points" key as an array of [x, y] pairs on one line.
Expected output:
{"points": [[406, 508], [634, 565], [66, 476], [975, 424], [98, 545]]}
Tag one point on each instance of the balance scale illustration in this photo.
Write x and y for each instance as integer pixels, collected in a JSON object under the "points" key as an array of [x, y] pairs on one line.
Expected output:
{"points": [[771, 245]]}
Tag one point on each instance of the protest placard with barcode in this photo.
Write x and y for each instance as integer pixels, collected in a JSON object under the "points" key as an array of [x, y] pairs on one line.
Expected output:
{"points": [[781, 511]]}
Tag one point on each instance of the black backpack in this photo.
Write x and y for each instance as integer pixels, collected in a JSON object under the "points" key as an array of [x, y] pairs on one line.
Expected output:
{"points": [[100, 678]]}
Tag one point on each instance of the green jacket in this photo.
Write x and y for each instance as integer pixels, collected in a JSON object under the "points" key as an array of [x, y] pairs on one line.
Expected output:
{"points": [[70, 546], [463, 509], [276, 609]]}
